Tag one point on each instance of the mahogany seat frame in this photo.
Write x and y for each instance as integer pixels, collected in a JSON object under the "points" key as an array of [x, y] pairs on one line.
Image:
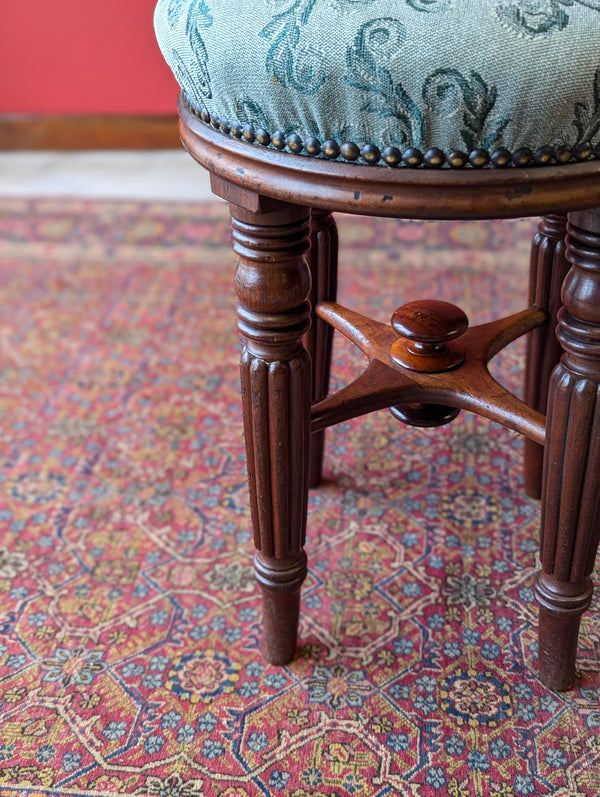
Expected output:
{"points": [[286, 242]]}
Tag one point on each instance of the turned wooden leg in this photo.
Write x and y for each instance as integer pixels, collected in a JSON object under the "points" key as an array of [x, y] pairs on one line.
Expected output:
{"points": [[273, 284], [571, 483], [548, 268], [322, 261]]}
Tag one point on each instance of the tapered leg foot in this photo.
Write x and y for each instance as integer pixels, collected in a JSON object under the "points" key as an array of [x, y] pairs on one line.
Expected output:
{"points": [[280, 582], [561, 605], [322, 260], [548, 268]]}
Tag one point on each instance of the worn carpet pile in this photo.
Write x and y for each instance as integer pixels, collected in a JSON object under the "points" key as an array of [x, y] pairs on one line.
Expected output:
{"points": [[129, 620]]}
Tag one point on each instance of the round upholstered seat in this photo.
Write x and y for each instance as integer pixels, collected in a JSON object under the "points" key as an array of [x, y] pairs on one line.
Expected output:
{"points": [[442, 83]]}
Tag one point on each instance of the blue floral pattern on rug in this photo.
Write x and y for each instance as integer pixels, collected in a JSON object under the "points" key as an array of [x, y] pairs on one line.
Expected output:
{"points": [[129, 615]]}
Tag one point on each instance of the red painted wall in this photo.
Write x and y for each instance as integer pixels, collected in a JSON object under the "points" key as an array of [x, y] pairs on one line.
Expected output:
{"points": [[77, 56]]}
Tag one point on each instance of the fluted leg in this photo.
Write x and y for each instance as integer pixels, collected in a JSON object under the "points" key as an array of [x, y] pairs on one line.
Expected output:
{"points": [[319, 338], [548, 268], [571, 484], [273, 284]]}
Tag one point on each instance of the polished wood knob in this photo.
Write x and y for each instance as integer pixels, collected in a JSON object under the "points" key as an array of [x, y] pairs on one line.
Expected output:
{"points": [[428, 330]]}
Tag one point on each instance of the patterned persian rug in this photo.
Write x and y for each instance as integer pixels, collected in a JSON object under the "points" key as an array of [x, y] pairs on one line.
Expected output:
{"points": [[129, 620]]}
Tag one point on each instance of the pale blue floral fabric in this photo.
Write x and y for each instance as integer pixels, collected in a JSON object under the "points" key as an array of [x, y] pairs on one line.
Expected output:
{"points": [[452, 74]]}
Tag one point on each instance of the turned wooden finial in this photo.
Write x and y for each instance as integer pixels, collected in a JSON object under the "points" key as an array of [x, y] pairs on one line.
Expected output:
{"points": [[428, 331]]}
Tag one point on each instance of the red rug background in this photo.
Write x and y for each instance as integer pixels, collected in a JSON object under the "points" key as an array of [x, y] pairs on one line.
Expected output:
{"points": [[129, 619]]}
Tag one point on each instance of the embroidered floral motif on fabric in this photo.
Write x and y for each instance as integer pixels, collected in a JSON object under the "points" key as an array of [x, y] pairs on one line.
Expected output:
{"points": [[448, 74], [539, 17]]}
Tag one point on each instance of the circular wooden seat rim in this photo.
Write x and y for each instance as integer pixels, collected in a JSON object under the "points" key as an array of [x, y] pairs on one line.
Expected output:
{"points": [[395, 192]]}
